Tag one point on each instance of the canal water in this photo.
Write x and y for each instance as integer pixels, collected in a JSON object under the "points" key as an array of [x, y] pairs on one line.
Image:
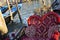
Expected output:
{"points": [[27, 10]]}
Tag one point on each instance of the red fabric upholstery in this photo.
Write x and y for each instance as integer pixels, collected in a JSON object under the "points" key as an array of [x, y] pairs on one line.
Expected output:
{"points": [[45, 25], [58, 19]]}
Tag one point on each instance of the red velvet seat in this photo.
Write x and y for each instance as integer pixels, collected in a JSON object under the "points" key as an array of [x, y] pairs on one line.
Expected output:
{"points": [[45, 25]]}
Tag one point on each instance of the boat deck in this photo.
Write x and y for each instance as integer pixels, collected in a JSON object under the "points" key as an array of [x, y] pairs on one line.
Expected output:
{"points": [[12, 27]]}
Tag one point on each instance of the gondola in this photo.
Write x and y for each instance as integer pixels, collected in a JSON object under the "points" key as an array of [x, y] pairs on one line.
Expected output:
{"points": [[6, 18], [44, 27], [4, 8]]}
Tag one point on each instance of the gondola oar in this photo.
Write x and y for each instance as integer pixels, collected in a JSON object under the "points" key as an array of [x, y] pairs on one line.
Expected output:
{"points": [[10, 10], [18, 11]]}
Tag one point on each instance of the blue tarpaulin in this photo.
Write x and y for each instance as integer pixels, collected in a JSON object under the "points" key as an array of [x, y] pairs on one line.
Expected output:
{"points": [[14, 8]]}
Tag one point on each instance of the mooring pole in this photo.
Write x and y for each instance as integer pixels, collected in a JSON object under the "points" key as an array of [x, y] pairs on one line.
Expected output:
{"points": [[10, 10], [18, 11]]}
